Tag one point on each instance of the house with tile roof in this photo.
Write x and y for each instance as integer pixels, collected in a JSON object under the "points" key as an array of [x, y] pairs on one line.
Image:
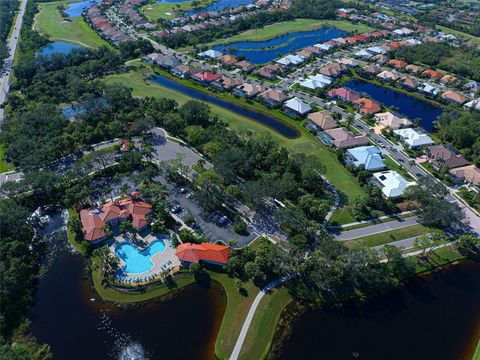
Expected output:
{"points": [[206, 77], [343, 94], [96, 220], [433, 74], [443, 155], [341, 138], [413, 137], [397, 64], [368, 157], [245, 66], [392, 121], [273, 98], [468, 174], [367, 106], [415, 69], [227, 60], [321, 120], [248, 91], [453, 97], [393, 184], [389, 75], [189, 253]]}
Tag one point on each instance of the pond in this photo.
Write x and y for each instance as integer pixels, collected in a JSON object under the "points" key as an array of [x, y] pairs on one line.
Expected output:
{"points": [[407, 105], [58, 47], [75, 9], [220, 5], [435, 317], [269, 121], [69, 316], [260, 52]]}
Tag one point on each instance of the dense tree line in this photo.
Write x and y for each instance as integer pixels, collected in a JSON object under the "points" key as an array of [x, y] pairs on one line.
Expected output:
{"points": [[7, 13], [314, 9]]}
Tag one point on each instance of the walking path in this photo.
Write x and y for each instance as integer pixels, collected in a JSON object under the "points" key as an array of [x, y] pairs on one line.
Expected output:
{"points": [[377, 228]]}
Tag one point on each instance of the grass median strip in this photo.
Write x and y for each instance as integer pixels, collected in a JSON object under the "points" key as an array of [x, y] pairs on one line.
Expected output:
{"points": [[390, 236]]}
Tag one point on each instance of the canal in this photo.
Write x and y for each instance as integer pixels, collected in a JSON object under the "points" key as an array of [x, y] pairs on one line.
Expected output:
{"points": [[269, 121], [435, 317], [407, 105], [69, 316]]}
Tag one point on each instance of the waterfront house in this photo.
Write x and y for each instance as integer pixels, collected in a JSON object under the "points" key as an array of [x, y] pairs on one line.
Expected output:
{"points": [[324, 47], [273, 98], [341, 138], [291, 60], [443, 155], [206, 77], [266, 73], [245, 66], [393, 184], [296, 108], [413, 137], [367, 106], [184, 71], [343, 94], [248, 91], [453, 97], [96, 220], [409, 83], [392, 121], [389, 76], [227, 60], [429, 90], [226, 83], [468, 174], [210, 54], [321, 120], [366, 157], [167, 62], [307, 54], [314, 49], [205, 252]]}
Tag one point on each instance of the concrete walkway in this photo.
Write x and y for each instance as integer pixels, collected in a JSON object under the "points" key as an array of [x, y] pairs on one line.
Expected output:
{"points": [[377, 228]]}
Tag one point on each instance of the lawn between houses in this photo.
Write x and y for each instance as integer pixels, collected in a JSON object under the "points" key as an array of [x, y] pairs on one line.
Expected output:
{"points": [[306, 143], [50, 24], [166, 10]]}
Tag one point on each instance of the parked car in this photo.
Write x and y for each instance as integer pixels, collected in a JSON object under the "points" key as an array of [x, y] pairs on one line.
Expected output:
{"points": [[175, 208], [222, 220]]}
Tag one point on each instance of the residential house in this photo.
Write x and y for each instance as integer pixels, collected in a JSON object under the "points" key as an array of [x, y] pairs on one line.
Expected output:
{"points": [[313, 49], [205, 252], [393, 184], [245, 66], [333, 70], [380, 59], [413, 137], [392, 121], [397, 64], [307, 54], [266, 73], [291, 60], [474, 104], [248, 91], [376, 50], [372, 69], [210, 54], [316, 81], [343, 94], [206, 77], [364, 54], [448, 79], [226, 83], [296, 108], [389, 75], [409, 83], [324, 47], [414, 69], [367, 106], [453, 97], [96, 221], [341, 138], [429, 90], [273, 98], [433, 74], [167, 62], [349, 62], [443, 155], [184, 71], [468, 174], [227, 60], [366, 157], [321, 120]]}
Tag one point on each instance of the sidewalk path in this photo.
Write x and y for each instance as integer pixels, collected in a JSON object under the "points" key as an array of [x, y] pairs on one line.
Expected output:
{"points": [[377, 228]]}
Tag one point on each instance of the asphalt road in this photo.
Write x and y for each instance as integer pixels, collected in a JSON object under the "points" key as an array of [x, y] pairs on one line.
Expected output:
{"points": [[7, 66]]}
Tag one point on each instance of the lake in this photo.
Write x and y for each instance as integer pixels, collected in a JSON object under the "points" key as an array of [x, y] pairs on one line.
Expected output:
{"points": [[77, 328], [220, 5], [269, 121], [75, 9], [260, 52], [436, 317], [58, 47], [407, 105]]}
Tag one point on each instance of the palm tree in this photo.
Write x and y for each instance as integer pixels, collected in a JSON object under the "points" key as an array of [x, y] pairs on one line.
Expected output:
{"points": [[124, 190]]}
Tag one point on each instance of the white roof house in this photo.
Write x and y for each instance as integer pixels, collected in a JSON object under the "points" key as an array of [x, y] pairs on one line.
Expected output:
{"points": [[413, 41], [392, 183], [474, 104], [413, 138], [364, 54], [325, 47], [211, 54], [316, 81], [429, 89], [291, 60], [377, 50], [298, 106]]}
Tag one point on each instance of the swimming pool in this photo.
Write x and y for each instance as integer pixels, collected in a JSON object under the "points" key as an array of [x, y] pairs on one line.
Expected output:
{"points": [[138, 261]]}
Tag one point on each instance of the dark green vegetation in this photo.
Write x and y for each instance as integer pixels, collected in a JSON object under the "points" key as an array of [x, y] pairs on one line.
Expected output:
{"points": [[7, 14], [463, 61], [301, 9]]}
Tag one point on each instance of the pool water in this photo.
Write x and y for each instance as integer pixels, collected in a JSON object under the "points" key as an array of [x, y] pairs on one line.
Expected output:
{"points": [[138, 261]]}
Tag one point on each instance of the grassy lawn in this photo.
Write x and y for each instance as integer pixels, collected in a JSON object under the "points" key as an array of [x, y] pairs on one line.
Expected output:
{"points": [[3, 165], [341, 217], [390, 236], [439, 257], [272, 31], [262, 329], [472, 38], [393, 165], [50, 23], [167, 10], [343, 180]]}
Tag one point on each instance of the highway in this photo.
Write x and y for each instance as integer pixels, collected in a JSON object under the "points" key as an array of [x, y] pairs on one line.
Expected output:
{"points": [[7, 65]]}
